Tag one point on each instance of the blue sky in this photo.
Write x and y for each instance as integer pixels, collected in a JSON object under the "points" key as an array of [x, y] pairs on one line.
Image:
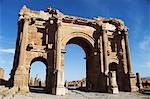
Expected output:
{"points": [[135, 13]]}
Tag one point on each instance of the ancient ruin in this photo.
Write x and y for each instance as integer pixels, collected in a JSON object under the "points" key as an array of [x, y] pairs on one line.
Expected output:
{"points": [[1, 73], [36, 81], [75, 84], [43, 35]]}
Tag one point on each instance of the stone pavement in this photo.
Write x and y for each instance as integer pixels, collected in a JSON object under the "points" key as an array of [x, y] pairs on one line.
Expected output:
{"points": [[74, 94]]}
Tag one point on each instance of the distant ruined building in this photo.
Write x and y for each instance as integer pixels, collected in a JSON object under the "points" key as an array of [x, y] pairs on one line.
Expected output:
{"points": [[37, 82], [145, 83], [2, 73], [43, 35], [75, 84]]}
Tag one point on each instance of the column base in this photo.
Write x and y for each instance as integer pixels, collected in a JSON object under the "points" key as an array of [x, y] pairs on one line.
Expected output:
{"points": [[14, 89], [133, 82], [24, 89], [113, 90], [61, 90]]}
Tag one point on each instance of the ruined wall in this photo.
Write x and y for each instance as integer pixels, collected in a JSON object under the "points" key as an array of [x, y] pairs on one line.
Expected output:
{"points": [[2, 73], [75, 84]]}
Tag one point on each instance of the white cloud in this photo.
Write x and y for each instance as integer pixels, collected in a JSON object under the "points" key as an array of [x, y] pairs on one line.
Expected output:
{"points": [[9, 50], [145, 44]]}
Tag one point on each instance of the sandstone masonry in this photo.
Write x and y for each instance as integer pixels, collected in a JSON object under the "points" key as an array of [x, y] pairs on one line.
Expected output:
{"points": [[43, 35]]}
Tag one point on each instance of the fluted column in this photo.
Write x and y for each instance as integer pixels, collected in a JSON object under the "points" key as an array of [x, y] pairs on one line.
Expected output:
{"points": [[132, 85], [101, 53], [127, 50], [105, 40], [124, 58]]}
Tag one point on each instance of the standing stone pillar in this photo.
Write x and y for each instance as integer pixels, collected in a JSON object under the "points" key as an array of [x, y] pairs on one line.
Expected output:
{"points": [[106, 69], [101, 53], [127, 51], [1, 73], [105, 40], [59, 86], [20, 78], [132, 78], [113, 87], [138, 83], [124, 59], [66, 84]]}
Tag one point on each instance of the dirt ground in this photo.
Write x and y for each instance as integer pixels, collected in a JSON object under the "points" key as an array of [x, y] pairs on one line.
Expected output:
{"points": [[74, 94]]}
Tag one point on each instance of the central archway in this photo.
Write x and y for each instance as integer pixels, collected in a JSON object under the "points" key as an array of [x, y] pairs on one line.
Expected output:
{"points": [[88, 48], [74, 67]]}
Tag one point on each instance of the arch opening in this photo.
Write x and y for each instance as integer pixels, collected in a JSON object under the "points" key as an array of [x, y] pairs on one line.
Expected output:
{"points": [[75, 66], [37, 75], [80, 54]]}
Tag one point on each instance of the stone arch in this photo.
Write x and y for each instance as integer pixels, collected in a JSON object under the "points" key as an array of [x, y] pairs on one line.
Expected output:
{"points": [[44, 61], [86, 42], [87, 37], [39, 59], [46, 36]]}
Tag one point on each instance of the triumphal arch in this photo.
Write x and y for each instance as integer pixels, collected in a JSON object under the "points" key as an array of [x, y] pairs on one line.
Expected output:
{"points": [[43, 35]]}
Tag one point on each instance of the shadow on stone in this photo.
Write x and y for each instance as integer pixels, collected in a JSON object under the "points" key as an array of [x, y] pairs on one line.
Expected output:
{"points": [[4, 82], [37, 89], [146, 92]]}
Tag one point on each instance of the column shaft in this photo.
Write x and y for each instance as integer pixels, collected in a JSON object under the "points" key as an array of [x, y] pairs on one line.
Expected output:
{"points": [[124, 59], [105, 40], [128, 53], [23, 43]]}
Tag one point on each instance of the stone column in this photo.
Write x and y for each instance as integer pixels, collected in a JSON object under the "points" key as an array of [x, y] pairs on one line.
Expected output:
{"points": [[19, 78], [105, 40], [131, 76], [101, 53], [139, 84], [1, 73], [113, 87], [127, 50], [59, 86], [124, 59]]}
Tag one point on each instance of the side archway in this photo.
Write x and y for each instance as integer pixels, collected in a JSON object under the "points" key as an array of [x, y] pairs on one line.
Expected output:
{"points": [[36, 84]]}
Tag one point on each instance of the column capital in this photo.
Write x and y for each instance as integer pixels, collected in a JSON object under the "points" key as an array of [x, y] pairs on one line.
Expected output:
{"points": [[63, 51], [125, 30]]}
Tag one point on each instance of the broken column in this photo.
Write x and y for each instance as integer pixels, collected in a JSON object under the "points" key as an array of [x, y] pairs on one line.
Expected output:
{"points": [[1, 73], [138, 83]]}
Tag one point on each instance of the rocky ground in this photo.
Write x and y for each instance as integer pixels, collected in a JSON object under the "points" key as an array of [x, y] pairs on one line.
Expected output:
{"points": [[39, 93], [74, 94]]}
